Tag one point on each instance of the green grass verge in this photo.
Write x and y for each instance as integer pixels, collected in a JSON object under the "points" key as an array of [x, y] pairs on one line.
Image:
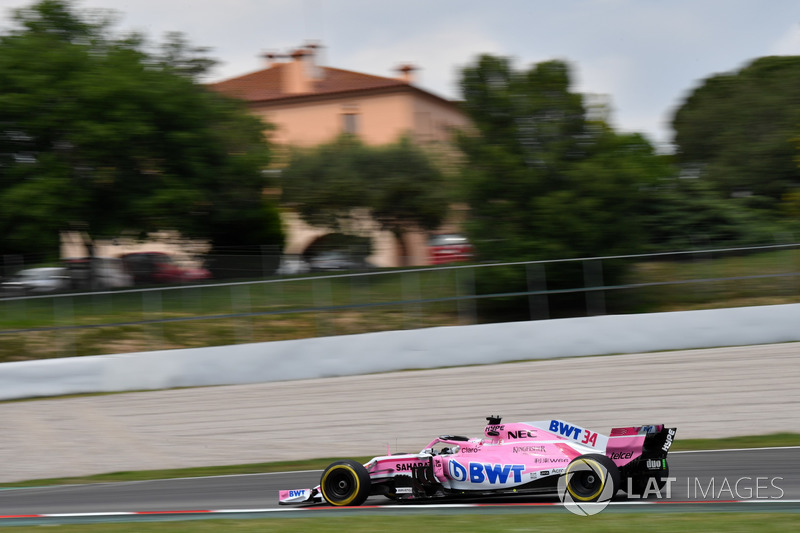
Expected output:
{"points": [[755, 441], [472, 522]]}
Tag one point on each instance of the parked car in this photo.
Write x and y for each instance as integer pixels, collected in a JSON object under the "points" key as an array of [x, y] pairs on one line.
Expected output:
{"points": [[335, 260], [97, 273], [37, 281], [159, 267], [449, 248], [291, 265]]}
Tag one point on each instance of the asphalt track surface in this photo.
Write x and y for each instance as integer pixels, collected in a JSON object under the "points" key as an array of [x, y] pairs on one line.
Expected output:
{"points": [[720, 392], [766, 479]]}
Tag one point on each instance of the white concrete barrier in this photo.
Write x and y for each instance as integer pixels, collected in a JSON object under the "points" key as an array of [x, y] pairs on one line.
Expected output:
{"points": [[398, 350]]}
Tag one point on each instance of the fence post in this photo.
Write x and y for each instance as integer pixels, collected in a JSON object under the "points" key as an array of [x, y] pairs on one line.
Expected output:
{"points": [[411, 291], [538, 304], [322, 298], [240, 303], [593, 278], [796, 264], [465, 279], [153, 310], [264, 261], [64, 316]]}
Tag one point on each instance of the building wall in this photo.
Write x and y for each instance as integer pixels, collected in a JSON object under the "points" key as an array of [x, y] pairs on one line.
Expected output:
{"points": [[434, 122], [300, 235], [381, 119]]}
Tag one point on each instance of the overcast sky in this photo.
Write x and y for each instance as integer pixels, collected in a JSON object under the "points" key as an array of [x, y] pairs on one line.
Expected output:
{"points": [[645, 55]]}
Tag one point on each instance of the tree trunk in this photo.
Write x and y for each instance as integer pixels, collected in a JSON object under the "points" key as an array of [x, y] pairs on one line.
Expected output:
{"points": [[402, 249]]}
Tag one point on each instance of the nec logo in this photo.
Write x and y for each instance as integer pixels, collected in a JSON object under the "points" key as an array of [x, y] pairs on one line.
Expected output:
{"points": [[521, 434], [486, 473]]}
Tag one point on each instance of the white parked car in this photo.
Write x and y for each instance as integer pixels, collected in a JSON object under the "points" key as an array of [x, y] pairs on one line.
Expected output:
{"points": [[291, 265], [37, 281]]}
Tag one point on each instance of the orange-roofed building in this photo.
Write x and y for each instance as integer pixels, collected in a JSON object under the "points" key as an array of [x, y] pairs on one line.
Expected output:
{"points": [[311, 104]]}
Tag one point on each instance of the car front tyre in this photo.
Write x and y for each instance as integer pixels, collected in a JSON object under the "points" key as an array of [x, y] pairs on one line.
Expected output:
{"points": [[345, 483]]}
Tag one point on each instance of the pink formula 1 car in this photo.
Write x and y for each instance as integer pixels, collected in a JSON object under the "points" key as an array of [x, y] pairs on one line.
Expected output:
{"points": [[510, 459]]}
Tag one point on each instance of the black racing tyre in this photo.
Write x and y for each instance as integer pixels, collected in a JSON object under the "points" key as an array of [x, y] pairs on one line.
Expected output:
{"points": [[641, 483], [592, 478], [345, 483]]}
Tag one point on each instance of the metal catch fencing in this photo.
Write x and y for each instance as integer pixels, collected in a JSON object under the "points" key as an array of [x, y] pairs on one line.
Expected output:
{"points": [[310, 305]]}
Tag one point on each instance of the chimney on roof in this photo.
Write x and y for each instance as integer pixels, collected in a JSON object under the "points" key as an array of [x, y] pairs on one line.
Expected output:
{"points": [[406, 73], [313, 59], [270, 58], [295, 78], [302, 71]]}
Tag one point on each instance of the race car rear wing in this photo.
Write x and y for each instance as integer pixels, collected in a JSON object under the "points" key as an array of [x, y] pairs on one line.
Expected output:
{"points": [[657, 445], [654, 441]]}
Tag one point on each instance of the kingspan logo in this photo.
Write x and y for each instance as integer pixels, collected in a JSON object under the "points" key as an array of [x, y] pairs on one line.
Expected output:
{"points": [[586, 488]]}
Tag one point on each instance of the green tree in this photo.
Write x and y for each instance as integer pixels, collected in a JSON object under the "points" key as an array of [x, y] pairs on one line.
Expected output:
{"points": [[547, 178], [687, 213], [336, 184], [738, 130], [543, 179], [97, 132]]}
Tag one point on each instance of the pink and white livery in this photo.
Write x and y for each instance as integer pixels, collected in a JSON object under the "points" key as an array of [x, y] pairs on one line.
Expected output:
{"points": [[518, 458]]}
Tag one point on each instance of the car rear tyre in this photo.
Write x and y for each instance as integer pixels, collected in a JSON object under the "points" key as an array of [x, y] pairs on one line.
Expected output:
{"points": [[592, 478], [345, 483]]}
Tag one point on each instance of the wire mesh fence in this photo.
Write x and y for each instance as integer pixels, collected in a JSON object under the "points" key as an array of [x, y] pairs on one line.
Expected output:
{"points": [[282, 307]]}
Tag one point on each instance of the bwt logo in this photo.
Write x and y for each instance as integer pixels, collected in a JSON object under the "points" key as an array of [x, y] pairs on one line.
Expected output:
{"points": [[296, 493], [574, 432], [486, 473], [561, 428]]}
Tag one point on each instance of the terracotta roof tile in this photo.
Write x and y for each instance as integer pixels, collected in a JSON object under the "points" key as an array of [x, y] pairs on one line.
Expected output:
{"points": [[266, 84]]}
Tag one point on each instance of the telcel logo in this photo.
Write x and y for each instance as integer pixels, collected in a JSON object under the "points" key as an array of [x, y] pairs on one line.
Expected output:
{"points": [[621, 455]]}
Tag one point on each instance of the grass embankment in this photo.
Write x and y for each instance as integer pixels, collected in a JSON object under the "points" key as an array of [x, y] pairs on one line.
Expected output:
{"points": [[112, 315], [765, 278], [755, 441], [483, 522], [258, 311]]}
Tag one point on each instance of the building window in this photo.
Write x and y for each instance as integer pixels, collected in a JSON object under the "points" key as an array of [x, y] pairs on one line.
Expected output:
{"points": [[350, 123]]}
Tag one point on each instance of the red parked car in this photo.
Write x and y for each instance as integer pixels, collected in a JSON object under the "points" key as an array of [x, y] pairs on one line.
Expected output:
{"points": [[449, 248], [158, 267]]}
